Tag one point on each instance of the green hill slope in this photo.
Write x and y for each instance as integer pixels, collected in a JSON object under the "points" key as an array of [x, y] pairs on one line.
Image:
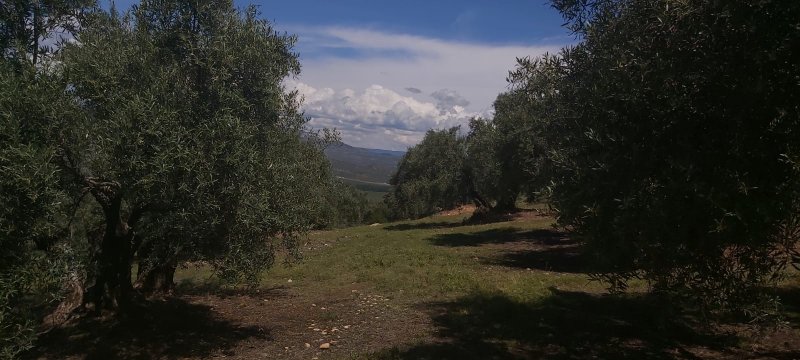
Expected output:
{"points": [[363, 167]]}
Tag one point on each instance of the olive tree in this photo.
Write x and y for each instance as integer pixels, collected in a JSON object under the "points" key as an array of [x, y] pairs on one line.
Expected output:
{"points": [[189, 145], [32, 30], [430, 176], [505, 154], [488, 166], [674, 137], [34, 259], [31, 202]]}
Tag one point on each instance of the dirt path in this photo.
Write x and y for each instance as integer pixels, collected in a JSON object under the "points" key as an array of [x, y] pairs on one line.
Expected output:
{"points": [[264, 324], [351, 321]]}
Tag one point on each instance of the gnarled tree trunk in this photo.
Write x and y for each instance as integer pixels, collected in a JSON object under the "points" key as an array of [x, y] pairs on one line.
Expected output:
{"points": [[109, 285], [506, 203], [158, 280], [155, 278]]}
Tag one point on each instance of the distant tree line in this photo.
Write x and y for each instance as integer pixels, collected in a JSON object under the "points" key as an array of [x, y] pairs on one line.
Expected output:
{"points": [[667, 141], [493, 164], [152, 137], [345, 205]]}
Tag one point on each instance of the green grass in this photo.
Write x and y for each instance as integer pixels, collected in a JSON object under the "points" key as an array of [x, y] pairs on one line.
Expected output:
{"points": [[423, 260], [433, 259]]}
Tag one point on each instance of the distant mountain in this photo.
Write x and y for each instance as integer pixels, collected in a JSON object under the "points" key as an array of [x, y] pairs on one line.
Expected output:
{"points": [[361, 165]]}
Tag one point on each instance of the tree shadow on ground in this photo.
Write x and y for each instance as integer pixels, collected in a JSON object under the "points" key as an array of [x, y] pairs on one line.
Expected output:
{"points": [[541, 249], [565, 325], [422, 226], [166, 329], [500, 236], [563, 259], [474, 219], [216, 288]]}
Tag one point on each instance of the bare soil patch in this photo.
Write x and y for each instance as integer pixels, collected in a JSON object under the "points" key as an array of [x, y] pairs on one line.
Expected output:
{"points": [[461, 210], [264, 324]]}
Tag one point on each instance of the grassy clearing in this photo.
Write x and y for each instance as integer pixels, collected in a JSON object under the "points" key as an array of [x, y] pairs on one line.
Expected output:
{"points": [[512, 289], [433, 259], [429, 260]]}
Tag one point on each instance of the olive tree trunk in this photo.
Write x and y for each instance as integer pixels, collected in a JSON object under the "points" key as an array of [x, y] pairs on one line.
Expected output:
{"points": [[109, 283]]}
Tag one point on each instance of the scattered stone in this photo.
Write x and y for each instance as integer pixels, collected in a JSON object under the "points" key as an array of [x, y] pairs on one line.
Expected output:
{"points": [[307, 345], [347, 326], [375, 224], [325, 346], [316, 329], [290, 280], [324, 332]]}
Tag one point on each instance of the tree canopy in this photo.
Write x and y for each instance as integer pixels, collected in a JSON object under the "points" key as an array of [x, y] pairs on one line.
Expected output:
{"points": [[667, 140], [189, 136], [160, 135], [429, 177], [672, 131], [34, 205]]}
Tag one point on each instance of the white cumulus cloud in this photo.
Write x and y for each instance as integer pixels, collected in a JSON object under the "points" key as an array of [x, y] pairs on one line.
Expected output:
{"points": [[377, 116], [352, 80]]}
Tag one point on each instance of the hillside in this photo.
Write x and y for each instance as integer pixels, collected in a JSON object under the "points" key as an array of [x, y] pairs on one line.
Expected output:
{"points": [[363, 167]]}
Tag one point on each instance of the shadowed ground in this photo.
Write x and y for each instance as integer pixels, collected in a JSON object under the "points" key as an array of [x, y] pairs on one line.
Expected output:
{"points": [[168, 329], [564, 325]]}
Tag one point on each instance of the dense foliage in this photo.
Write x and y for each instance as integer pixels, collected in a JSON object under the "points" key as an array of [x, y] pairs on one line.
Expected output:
{"points": [[190, 138], [429, 177], [495, 163], [160, 136], [31, 203], [667, 140], [34, 259], [674, 137], [505, 154]]}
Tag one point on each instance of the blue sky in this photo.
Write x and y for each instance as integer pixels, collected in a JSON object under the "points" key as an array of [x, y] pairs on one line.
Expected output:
{"points": [[482, 21], [384, 72]]}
